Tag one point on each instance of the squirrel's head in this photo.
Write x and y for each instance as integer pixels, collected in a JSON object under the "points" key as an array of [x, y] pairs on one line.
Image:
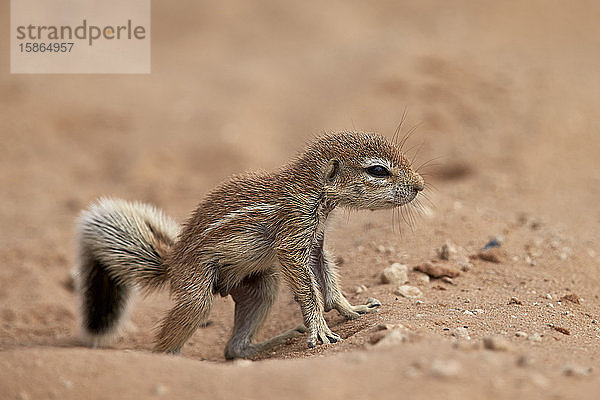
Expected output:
{"points": [[366, 171]]}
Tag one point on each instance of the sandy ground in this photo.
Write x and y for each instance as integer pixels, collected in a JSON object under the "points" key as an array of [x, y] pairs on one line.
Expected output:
{"points": [[506, 95]]}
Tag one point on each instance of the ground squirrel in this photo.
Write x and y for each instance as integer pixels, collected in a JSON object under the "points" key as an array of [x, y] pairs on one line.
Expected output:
{"points": [[247, 233]]}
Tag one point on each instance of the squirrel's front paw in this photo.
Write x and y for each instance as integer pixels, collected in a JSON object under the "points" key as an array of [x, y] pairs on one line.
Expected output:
{"points": [[322, 334]]}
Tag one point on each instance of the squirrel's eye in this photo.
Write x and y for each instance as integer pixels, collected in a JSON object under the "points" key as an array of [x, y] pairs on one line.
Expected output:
{"points": [[378, 171]]}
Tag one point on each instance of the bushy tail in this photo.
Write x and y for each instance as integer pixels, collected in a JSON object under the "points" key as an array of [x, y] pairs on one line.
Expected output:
{"points": [[121, 246]]}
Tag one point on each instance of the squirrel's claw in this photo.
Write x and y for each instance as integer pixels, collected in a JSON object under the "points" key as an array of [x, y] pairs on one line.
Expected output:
{"points": [[322, 336], [371, 306]]}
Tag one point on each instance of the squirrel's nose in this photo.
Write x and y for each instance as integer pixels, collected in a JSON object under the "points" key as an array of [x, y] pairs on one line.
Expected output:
{"points": [[418, 183]]}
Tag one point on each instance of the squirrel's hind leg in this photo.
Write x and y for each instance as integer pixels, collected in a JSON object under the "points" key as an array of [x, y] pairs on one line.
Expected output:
{"points": [[193, 302], [253, 298]]}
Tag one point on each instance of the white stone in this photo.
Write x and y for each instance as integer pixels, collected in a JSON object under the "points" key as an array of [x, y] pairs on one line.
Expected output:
{"points": [[461, 333], [410, 292], [576, 370], [396, 273]]}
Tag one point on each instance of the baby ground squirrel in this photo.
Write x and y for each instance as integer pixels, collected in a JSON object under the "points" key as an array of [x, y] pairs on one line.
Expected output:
{"points": [[241, 238]]}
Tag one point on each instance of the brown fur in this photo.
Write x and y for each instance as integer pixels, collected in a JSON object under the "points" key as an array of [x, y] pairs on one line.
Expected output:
{"points": [[256, 227]]}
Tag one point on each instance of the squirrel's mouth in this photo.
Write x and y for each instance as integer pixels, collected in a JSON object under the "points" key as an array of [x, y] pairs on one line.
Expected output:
{"points": [[405, 196], [398, 201]]}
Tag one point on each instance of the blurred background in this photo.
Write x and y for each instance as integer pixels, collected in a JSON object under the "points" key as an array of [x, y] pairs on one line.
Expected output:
{"points": [[505, 95], [506, 88]]}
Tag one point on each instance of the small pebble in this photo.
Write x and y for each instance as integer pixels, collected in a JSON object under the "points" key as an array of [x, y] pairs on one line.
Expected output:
{"points": [[461, 333], [437, 270], [536, 224], [391, 338], [514, 300], [420, 276], [562, 330], [360, 289], [493, 254], [465, 266], [576, 370], [548, 296], [448, 280], [573, 298], [535, 337], [520, 334], [67, 383], [445, 368], [410, 292], [396, 273], [385, 250], [389, 327], [496, 343], [495, 242], [530, 261]]}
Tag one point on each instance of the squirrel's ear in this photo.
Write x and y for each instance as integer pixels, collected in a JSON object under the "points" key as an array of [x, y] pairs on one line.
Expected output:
{"points": [[333, 170]]}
